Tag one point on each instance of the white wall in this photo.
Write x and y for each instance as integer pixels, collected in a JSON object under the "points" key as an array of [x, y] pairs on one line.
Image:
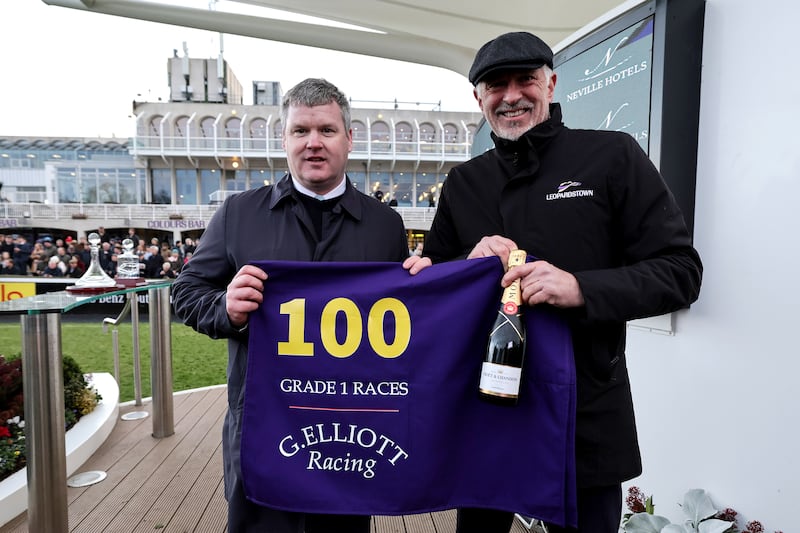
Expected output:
{"points": [[717, 404]]}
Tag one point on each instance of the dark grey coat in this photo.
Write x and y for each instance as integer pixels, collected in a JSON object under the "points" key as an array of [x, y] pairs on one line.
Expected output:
{"points": [[270, 223]]}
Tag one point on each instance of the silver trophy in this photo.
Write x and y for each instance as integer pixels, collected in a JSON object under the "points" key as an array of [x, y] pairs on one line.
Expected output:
{"points": [[95, 279], [128, 266]]}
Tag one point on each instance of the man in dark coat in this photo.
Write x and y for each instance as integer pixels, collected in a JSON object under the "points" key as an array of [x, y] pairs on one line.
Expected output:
{"points": [[611, 245], [312, 214]]}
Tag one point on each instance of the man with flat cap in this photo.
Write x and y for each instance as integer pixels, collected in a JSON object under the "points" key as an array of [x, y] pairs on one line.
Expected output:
{"points": [[610, 241]]}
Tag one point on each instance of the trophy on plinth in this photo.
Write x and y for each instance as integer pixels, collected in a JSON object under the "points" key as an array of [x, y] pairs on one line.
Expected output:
{"points": [[128, 266], [95, 279]]}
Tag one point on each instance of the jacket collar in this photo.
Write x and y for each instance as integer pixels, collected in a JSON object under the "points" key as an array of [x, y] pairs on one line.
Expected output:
{"points": [[284, 191], [534, 138]]}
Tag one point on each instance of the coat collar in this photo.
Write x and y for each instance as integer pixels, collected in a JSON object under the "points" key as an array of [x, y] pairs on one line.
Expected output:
{"points": [[285, 192], [534, 138]]}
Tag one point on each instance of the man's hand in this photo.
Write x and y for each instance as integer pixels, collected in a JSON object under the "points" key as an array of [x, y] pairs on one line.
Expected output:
{"points": [[416, 264], [544, 283], [244, 294], [494, 245]]}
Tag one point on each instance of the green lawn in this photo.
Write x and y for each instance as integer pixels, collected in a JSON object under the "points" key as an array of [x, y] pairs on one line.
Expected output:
{"points": [[197, 361]]}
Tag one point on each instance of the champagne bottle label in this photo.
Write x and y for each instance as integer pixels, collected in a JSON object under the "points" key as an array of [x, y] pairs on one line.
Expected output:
{"points": [[501, 373], [500, 380]]}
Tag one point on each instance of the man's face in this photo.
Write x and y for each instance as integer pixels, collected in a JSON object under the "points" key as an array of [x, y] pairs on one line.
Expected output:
{"points": [[514, 101], [317, 145]]}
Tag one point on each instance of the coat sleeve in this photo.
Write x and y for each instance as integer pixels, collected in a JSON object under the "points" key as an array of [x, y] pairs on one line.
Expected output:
{"points": [[442, 241], [198, 294], [661, 271]]}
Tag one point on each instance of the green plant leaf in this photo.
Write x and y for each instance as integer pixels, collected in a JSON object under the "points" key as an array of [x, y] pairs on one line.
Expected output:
{"points": [[649, 506], [645, 523]]}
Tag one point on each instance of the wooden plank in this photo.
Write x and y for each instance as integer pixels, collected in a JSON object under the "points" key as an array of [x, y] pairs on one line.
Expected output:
{"points": [[388, 524], [419, 523], [131, 472], [160, 512], [444, 521], [201, 498], [160, 466], [215, 518]]}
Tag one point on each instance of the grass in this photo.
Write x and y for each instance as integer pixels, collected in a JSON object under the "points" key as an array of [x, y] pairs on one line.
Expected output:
{"points": [[197, 361]]}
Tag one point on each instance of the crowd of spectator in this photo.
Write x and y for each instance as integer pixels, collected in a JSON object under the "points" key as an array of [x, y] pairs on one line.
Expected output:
{"points": [[69, 258]]}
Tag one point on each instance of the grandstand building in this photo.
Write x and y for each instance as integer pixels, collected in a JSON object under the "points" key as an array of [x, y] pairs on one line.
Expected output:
{"points": [[187, 156]]}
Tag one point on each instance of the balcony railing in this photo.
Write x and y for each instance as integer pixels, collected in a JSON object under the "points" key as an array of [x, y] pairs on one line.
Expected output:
{"points": [[36, 214], [104, 211], [263, 148]]}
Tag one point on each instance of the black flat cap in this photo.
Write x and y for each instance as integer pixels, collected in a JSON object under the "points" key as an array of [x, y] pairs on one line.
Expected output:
{"points": [[516, 50]]}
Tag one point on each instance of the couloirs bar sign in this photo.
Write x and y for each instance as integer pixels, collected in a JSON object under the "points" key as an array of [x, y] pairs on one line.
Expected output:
{"points": [[176, 224], [361, 395]]}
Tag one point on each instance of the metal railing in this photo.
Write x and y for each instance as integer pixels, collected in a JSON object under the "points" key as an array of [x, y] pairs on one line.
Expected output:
{"points": [[167, 146], [413, 217], [104, 211]]}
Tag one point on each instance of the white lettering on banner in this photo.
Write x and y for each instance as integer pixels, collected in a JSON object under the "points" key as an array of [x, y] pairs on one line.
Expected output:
{"points": [[341, 464], [308, 387], [384, 388], [355, 388], [360, 438]]}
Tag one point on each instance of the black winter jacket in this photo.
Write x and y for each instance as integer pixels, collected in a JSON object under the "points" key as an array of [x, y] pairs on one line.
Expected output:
{"points": [[591, 203]]}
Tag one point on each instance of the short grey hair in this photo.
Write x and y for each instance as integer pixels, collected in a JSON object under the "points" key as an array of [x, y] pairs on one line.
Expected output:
{"points": [[313, 92]]}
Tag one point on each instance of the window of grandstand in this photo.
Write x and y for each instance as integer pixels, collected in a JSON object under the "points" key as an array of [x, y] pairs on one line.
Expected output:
{"points": [[210, 181], [181, 132], [359, 136], [451, 134], [359, 180], [107, 186], [186, 186], [153, 131], [161, 186], [236, 180], [207, 129], [380, 137], [404, 138], [233, 128], [67, 185], [427, 136], [379, 185], [472, 128], [427, 188], [402, 189], [451, 138], [258, 134], [277, 136]]}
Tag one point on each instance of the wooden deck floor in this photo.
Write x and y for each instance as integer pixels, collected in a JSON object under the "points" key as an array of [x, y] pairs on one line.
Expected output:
{"points": [[174, 485]]}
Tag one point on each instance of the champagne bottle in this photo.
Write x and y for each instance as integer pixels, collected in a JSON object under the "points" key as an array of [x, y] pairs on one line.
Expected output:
{"points": [[501, 372]]}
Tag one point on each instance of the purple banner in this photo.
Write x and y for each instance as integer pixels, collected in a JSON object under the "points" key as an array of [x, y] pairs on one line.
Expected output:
{"points": [[361, 395]]}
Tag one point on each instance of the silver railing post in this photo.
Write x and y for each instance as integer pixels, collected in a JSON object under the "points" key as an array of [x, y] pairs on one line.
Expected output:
{"points": [[43, 386], [133, 298], [115, 335], [161, 361]]}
